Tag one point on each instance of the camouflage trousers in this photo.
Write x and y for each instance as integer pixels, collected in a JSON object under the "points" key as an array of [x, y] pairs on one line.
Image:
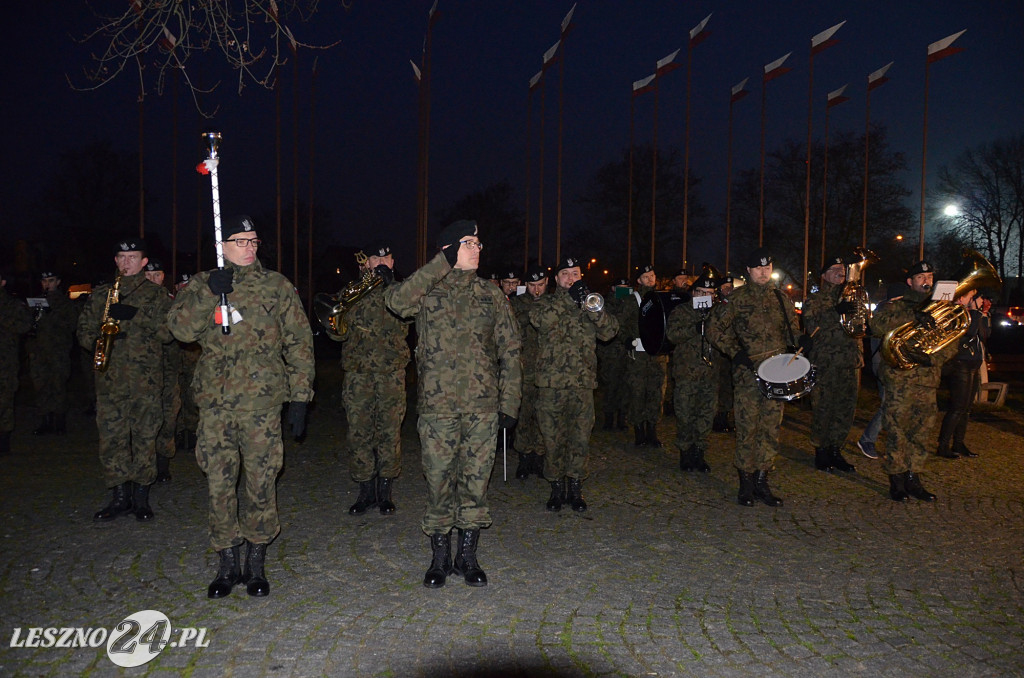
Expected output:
{"points": [[695, 401], [528, 437], [646, 377], [909, 415], [725, 392], [171, 403], [50, 381], [457, 456], [375, 406], [127, 432], [8, 387], [758, 421], [188, 414], [611, 377], [230, 441], [834, 404], [566, 417]]}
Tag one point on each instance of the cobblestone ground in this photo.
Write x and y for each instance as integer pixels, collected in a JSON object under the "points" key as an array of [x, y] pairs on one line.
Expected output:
{"points": [[665, 575]]}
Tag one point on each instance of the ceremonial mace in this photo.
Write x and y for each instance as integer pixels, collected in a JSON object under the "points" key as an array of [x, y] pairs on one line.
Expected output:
{"points": [[209, 166]]}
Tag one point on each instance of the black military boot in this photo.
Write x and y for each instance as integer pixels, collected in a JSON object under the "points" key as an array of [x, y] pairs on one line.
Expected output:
{"points": [[140, 503], [557, 495], [686, 459], [720, 423], [255, 580], [465, 559], [228, 575], [163, 469], [822, 459], [762, 491], [60, 423], [524, 468], [912, 483], [640, 432], [651, 434], [746, 493], [536, 464], [120, 504], [609, 421], [838, 462], [698, 460], [620, 421], [367, 498], [897, 490], [384, 503], [962, 450], [45, 426], [945, 452], [441, 564], [574, 495]]}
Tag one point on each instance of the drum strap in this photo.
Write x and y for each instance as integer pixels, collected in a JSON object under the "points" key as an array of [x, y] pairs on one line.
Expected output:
{"points": [[785, 318]]}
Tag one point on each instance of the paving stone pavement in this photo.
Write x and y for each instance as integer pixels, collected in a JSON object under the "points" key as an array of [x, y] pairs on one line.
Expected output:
{"points": [[664, 575]]}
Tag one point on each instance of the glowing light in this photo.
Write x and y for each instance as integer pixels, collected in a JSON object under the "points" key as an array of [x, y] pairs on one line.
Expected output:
{"points": [[951, 210]]}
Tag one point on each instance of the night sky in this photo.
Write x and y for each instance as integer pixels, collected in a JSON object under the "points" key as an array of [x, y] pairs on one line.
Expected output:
{"points": [[483, 56]]}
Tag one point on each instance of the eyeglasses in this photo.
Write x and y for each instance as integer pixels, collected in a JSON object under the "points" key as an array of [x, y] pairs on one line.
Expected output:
{"points": [[472, 244], [246, 242]]}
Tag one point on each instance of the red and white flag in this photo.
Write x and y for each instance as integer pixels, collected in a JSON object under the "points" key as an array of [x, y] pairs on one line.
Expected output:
{"points": [[291, 38], [943, 48], [775, 69], [535, 80], [567, 21], [645, 85], [168, 41], [835, 97], [739, 91], [550, 54], [877, 79], [415, 71], [824, 39], [698, 34], [667, 64], [433, 15]]}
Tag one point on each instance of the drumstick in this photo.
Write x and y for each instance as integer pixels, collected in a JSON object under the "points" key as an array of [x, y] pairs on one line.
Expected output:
{"points": [[801, 349]]}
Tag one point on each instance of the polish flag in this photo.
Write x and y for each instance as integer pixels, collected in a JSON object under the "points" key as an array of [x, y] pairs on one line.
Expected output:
{"points": [[824, 39], [568, 20], [415, 71], [738, 91], [552, 51], [535, 80], [942, 48], [433, 15], [667, 64], [835, 97], [877, 79], [168, 41], [698, 34], [775, 69], [645, 85]]}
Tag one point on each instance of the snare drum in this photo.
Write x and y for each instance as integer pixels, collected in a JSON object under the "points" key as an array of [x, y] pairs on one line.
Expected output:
{"points": [[787, 376]]}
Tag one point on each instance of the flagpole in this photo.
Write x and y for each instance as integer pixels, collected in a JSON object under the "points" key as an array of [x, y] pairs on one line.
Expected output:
{"points": [[824, 187], [420, 102], [174, 179], [427, 76], [295, 165], [540, 178], [807, 171], [686, 152], [277, 145], [654, 165], [142, 185], [312, 149], [526, 225], [867, 157], [735, 95], [629, 202], [558, 192]]}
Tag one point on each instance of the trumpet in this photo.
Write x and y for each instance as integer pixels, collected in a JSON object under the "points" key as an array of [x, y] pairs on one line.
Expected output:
{"points": [[109, 328]]}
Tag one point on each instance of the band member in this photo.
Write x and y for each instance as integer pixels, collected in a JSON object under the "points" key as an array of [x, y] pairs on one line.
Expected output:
{"points": [[527, 431], [240, 383], [129, 388], [758, 322], [171, 397], [909, 409], [188, 415], [963, 379], [50, 354], [695, 371], [724, 422], [15, 320], [612, 360], [566, 379], [509, 282], [469, 382], [374, 355], [837, 357], [645, 372]]}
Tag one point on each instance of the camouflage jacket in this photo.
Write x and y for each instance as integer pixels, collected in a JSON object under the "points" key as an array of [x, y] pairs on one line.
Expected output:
{"points": [[683, 329], [567, 355], [897, 312], [752, 321], [15, 320], [55, 330], [268, 357], [469, 346], [832, 345], [376, 337], [135, 363], [521, 306]]}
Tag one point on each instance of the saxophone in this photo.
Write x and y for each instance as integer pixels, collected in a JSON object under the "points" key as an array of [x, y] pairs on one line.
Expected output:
{"points": [[856, 324], [331, 308], [108, 330]]}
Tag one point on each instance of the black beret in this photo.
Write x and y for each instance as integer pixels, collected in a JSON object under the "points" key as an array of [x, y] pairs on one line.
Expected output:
{"points": [[567, 262], [154, 265], [646, 268], [536, 273], [48, 274], [708, 282], [920, 267], [509, 274], [378, 249], [759, 257], [679, 273], [620, 282], [726, 279], [456, 231], [241, 223], [134, 244]]}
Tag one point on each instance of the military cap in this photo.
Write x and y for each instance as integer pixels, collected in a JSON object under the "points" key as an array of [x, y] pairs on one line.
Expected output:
{"points": [[184, 278], [759, 257], [509, 274], [456, 231], [707, 281], [134, 244], [378, 249], [646, 268], [567, 262], [920, 267], [832, 261], [536, 273], [48, 274], [241, 223], [620, 282], [680, 272], [154, 265], [727, 279]]}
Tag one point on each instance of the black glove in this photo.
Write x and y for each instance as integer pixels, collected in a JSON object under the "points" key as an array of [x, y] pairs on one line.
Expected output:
{"points": [[507, 422], [806, 343], [924, 319], [578, 292], [220, 281], [451, 253], [123, 311], [846, 307], [386, 274], [297, 418], [741, 358]]}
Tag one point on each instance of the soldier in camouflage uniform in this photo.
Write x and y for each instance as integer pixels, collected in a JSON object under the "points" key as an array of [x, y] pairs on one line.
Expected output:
{"points": [[724, 422], [527, 431], [838, 358], [750, 329], [170, 399], [50, 355], [566, 379], [612, 360], [15, 320], [469, 383], [696, 374], [128, 391], [240, 383], [645, 373], [909, 409], [374, 356], [188, 415]]}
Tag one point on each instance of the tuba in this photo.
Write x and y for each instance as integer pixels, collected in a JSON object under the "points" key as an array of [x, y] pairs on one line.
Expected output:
{"points": [[109, 328], [912, 344], [331, 308], [856, 323]]}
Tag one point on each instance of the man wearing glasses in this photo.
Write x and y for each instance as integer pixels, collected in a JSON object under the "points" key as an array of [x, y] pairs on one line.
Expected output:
{"points": [[470, 376], [240, 383]]}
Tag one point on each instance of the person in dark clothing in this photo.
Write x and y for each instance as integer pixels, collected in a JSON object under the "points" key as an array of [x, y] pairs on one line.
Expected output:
{"points": [[964, 380]]}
